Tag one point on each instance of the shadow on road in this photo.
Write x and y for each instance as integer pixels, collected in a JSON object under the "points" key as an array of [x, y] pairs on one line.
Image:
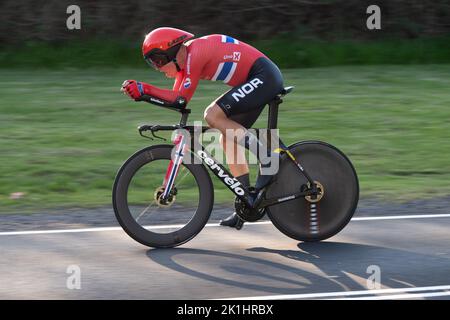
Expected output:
{"points": [[315, 267], [349, 264]]}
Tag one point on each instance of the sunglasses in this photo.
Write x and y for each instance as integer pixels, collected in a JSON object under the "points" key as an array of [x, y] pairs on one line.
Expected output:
{"points": [[158, 58]]}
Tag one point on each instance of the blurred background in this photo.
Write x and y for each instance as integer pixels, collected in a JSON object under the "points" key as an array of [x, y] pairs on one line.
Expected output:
{"points": [[382, 96]]}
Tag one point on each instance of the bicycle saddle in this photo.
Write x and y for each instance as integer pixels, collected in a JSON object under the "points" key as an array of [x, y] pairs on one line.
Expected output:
{"points": [[285, 91]]}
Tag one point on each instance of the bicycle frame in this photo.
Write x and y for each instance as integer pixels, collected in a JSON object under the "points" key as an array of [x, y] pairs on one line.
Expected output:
{"points": [[255, 201]]}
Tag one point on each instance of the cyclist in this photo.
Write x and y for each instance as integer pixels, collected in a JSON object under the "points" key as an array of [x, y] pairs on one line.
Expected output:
{"points": [[254, 79]]}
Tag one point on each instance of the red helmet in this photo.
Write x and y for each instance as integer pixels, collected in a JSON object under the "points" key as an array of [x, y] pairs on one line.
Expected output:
{"points": [[161, 45]]}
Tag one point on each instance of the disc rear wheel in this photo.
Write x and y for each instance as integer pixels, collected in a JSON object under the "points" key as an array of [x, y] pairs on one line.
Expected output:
{"points": [[321, 217]]}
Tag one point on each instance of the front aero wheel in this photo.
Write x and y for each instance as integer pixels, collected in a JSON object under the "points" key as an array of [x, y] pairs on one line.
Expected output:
{"points": [[138, 206], [307, 219]]}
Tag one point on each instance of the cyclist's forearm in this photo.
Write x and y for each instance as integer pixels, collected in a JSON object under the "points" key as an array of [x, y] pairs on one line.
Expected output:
{"points": [[163, 97], [164, 94], [178, 103]]}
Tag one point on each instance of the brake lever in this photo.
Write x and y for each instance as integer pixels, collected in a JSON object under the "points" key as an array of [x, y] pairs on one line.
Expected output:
{"points": [[153, 134], [142, 129]]}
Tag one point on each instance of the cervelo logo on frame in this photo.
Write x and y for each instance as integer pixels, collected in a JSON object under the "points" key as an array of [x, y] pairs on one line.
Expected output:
{"points": [[246, 89], [231, 182], [208, 141], [187, 83]]}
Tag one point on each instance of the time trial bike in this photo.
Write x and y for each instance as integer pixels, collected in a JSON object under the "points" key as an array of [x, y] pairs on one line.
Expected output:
{"points": [[163, 195]]}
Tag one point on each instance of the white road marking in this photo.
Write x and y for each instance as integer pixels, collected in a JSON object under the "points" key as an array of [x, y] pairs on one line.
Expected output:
{"points": [[18, 233], [167, 226], [402, 296], [343, 293], [418, 216], [31, 232]]}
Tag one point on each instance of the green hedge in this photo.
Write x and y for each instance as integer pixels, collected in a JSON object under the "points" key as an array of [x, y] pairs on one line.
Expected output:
{"points": [[287, 53]]}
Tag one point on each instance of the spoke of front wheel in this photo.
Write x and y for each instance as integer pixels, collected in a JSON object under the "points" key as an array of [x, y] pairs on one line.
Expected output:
{"points": [[145, 210], [183, 173]]}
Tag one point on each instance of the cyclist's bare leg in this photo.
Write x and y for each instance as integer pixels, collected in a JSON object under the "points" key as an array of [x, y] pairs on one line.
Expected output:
{"points": [[235, 153], [216, 118], [235, 156]]}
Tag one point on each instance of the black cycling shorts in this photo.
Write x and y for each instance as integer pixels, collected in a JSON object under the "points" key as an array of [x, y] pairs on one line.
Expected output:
{"points": [[245, 102]]}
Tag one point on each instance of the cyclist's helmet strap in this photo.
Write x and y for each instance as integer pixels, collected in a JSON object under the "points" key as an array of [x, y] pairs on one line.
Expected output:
{"points": [[176, 64]]}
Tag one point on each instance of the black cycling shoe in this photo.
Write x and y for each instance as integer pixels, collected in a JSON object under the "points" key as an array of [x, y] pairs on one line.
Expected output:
{"points": [[233, 221]]}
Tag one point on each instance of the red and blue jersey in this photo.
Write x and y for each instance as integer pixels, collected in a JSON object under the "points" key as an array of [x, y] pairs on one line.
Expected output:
{"points": [[214, 57]]}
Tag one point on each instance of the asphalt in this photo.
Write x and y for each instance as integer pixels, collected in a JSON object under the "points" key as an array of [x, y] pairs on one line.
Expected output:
{"points": [[411, 253], [69, 218]]}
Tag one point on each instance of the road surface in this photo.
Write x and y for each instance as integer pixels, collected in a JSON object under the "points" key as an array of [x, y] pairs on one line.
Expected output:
{"points": [[409, 254]]}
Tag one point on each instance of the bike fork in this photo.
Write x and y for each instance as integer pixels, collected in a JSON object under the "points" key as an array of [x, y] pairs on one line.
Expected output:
{"points": [[174, 165]]}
